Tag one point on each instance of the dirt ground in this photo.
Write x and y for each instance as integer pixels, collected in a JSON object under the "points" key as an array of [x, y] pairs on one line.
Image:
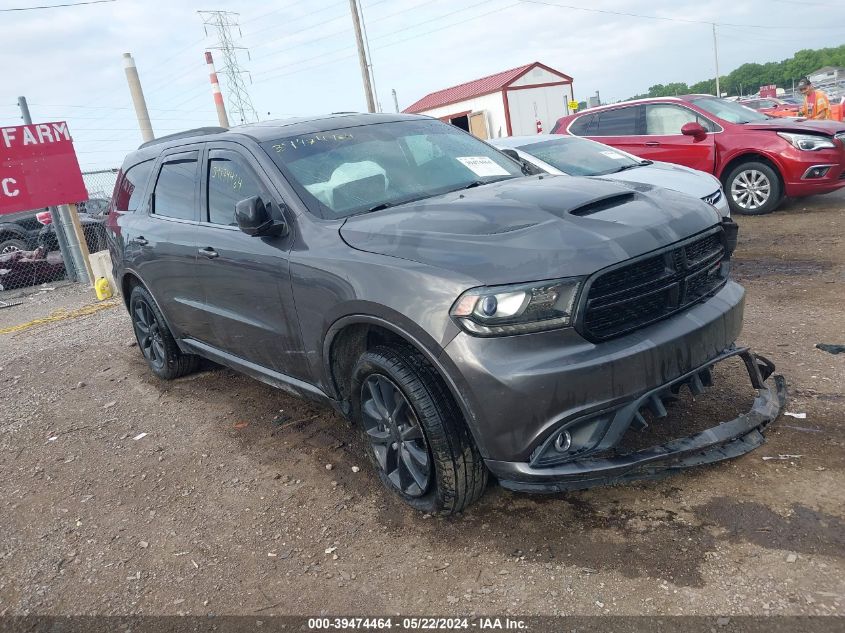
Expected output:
{"points": [[217, 494]]}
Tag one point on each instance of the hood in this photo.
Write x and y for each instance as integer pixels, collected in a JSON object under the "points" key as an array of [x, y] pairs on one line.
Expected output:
{"points": [[788, 125], [532, 228], [676, 177]]}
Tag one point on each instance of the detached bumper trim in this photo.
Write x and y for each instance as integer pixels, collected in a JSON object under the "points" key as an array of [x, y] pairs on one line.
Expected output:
{"points": [[723, 441]]}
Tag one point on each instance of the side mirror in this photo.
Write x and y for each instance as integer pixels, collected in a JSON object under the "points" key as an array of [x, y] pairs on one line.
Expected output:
{"points": [[695, 130], [254, 219], [527, 168]]}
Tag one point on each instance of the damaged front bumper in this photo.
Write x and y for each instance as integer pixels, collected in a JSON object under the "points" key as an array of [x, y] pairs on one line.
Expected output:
{"points": [[723, 441]]}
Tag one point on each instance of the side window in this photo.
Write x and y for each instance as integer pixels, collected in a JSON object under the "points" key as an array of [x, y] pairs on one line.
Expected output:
{"points": [[130, 187], [230, 180], [175, 189], [663, 119], [619, 122], [584, 125]]}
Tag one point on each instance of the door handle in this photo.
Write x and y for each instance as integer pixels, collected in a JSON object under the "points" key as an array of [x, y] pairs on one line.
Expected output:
{"points": [[652, 144], [208, 252], [140, 241]]}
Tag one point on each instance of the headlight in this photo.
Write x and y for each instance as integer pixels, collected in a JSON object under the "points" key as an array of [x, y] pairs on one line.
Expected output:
{"points": [[807, 142], [517, 309]]}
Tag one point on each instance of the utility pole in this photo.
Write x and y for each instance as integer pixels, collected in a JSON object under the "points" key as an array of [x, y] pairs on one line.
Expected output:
{"points": [[362, 57], [56, 219], [240, 103], [138, 97], [395, 100], [716, 56], [215, 91], [27, 119]]}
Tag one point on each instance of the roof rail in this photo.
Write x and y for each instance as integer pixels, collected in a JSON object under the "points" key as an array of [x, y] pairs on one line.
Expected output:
{"points": [[200, 131]]}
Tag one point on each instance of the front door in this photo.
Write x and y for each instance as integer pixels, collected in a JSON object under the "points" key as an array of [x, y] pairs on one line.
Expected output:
{"points": [[246, 280], [663, 139]]}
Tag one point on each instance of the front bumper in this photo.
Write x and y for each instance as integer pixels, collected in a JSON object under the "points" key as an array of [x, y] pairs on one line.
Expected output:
{"points": [[723, 441], [797, 163]]}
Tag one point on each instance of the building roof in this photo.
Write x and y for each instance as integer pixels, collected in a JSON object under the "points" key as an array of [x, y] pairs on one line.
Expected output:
{"points": [[477, 88], [826, 69]]}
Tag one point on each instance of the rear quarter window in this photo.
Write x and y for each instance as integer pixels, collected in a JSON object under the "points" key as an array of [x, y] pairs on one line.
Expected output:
{"points": [[130, 186], [584, 125]]}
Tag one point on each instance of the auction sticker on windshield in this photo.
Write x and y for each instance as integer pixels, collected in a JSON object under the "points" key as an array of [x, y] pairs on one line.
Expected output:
{"points": [[482, 166], [613, 155]]}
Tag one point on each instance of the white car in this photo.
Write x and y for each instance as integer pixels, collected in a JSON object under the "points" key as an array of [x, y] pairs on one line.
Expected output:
{"points": [[574, 156]]}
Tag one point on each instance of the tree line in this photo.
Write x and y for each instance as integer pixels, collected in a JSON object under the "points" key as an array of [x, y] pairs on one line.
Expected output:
{"points": [[748, 78]]}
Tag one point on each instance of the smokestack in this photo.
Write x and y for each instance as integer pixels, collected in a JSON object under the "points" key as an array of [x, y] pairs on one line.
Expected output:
{"points": [[215, 90]]}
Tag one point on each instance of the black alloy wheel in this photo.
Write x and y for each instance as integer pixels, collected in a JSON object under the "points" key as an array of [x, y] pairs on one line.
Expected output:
{"points": [[149, 334], [395, 436]]}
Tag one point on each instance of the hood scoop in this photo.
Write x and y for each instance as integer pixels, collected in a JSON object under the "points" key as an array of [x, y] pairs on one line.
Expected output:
{"points": [[602, 204]]}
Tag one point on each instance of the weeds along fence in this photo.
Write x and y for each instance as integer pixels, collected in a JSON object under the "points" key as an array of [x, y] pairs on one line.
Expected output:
{"points": [[31, 241]]}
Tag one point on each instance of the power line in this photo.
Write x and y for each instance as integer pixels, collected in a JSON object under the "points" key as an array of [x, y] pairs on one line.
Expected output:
{"points": [[57, 6], [668, 19]]}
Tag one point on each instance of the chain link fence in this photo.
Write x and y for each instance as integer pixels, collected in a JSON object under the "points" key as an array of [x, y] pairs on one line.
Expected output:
{"points": [[31, 242]]}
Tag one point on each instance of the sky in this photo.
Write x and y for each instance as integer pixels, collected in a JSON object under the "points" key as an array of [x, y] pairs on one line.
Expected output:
{"points": [[302, 59]]}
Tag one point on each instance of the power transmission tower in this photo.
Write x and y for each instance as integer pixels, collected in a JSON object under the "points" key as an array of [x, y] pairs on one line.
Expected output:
{"points": [[240, 103]]}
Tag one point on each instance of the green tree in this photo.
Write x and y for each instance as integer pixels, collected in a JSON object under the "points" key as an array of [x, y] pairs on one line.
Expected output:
{"points": [[748, 78]]}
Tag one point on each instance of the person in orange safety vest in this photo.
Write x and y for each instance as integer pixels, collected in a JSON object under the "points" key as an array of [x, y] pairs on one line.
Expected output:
{"points": [[816, 103]]}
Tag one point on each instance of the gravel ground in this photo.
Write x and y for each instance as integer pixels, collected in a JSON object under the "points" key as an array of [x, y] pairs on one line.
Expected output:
{"points": [[217, 494]]}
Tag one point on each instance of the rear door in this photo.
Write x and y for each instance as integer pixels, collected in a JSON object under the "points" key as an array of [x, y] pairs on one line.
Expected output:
{"points": [[246, 280], [165, 240], [619, 127], [663, 139]]}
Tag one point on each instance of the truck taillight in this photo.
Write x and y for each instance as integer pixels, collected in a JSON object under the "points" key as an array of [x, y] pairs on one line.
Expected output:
{"points": [[44, 217]]}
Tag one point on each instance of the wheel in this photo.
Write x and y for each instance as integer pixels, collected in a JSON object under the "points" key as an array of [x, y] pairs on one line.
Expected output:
{"points": [[753, 188], [10, 245], [418, 441], [155, 340]]}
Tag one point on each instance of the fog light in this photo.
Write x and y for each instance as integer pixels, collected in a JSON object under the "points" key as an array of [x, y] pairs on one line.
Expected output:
{"points": [[817, 172], [563, 442]]}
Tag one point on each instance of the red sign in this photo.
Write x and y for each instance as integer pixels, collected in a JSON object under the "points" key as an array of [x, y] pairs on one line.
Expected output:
{"points": [[769, 91], [38, 168]]}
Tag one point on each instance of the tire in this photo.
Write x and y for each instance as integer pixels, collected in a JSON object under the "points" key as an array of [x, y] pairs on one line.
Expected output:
{"points": [[429, 422], [10, 245], [753, 188], [155, 340]]}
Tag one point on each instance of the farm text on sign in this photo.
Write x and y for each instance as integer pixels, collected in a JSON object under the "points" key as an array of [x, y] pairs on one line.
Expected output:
{"points": [[38, 167]]}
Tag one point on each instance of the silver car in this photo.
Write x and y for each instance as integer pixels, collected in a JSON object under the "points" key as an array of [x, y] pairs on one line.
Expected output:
{"points": [[573, 156]]}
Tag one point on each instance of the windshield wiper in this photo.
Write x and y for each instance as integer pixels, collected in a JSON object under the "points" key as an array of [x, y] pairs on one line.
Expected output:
{"points": [[478, 183], [631, 166]]}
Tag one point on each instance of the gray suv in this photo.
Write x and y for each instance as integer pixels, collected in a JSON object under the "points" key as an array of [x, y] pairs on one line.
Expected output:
{"points": [[469, 319]]}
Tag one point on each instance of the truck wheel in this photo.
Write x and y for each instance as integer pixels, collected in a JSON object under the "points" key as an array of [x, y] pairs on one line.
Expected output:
{"points": [[10, 245], [753, 188], [155, 340], [418, 441]]}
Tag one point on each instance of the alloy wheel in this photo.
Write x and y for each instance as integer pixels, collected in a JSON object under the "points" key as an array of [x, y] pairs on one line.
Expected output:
{"points": [[9, 248], [149, 334], [751, 189], [395, 435]]}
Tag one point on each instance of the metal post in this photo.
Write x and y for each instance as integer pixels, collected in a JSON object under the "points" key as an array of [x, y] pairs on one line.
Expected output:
{"points": [[138, 97], [24, 110], [362, 57], [58, 227], [76, 240], [395, 100], [215, 90], [716, 57]]}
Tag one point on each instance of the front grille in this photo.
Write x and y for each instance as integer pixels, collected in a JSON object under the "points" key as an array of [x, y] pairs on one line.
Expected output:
{"points": [[714, 197], [641, 292], [842, 175]]}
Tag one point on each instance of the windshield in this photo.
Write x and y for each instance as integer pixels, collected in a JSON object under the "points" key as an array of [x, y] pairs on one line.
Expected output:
{"points": [[342, 172], [580, 157], [729, 111]]}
